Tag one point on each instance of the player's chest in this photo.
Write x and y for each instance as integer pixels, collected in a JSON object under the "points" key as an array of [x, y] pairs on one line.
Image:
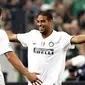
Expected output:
{"points": [[46, 43]]}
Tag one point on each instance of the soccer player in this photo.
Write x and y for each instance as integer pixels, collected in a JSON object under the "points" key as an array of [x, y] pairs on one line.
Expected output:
{"points": [[6, 49], [47, 49]]}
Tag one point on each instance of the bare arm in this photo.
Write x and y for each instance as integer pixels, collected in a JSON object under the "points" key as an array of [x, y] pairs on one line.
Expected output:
{"points": [[68, 63], [12, 37], [78, 39], [14, 60]]}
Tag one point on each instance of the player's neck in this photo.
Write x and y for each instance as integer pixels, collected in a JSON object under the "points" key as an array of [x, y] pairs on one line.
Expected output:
{"points": [[47, 34]]}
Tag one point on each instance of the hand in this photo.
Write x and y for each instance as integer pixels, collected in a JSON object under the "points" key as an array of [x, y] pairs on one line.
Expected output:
{"points": [[34, 79]]}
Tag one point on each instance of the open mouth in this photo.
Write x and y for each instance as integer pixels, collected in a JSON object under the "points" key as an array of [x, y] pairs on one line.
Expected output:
{"points": [[41, 29]]}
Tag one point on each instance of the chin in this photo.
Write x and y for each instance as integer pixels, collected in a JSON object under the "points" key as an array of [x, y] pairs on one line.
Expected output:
{"points": [[41, 31]]}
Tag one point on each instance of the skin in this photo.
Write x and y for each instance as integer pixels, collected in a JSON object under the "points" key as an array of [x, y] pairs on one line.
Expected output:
{"points": [[15, 61], [45, 27]]}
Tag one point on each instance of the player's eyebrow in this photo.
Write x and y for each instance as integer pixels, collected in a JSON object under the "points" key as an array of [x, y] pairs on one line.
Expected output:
{"points": [[40, 20]]}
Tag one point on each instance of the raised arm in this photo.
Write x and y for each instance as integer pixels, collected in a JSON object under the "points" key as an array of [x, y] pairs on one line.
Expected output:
{"points": [[78, 39], [14, 60], [12, 37]]}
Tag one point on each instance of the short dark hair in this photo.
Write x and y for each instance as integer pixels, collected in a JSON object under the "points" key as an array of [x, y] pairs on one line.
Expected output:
{"points": [[47, 14], [0, 11]]}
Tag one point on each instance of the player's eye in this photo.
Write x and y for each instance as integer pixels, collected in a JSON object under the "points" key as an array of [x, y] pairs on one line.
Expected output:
{"points": [[42, 20]]}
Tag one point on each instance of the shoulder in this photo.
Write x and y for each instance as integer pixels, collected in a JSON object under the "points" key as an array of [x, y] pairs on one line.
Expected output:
{"points": [[63, 36], [60, 33], [27, 35], [34, 31], [63, 33], [2, 33]]}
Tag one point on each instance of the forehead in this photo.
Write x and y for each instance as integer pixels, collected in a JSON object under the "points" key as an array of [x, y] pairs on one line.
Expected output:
{"points": [[41, 17]]}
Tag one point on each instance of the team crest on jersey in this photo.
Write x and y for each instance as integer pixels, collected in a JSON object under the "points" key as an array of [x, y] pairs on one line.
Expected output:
{"points": [[51, 44]]}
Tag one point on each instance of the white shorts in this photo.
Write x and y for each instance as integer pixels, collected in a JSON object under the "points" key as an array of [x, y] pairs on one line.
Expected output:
{"points": [[2, 82]]}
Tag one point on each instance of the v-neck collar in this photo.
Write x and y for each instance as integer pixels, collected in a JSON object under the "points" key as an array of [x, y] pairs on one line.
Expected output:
{"points": [[48, 36]]}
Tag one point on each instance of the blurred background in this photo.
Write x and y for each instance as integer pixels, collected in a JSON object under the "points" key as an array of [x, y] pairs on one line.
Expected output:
{"points": [[69, 16]]}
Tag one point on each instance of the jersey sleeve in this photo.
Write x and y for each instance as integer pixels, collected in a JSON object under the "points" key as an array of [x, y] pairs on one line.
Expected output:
{"points": [[66, 41], [25, 38], [4, 43]]}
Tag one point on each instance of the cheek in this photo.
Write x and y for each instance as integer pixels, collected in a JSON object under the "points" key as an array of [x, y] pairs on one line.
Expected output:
{"points": [[45, 24]]}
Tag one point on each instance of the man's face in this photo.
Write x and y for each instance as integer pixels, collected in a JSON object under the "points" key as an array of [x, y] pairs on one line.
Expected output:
{"points": [[43, 23]]}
